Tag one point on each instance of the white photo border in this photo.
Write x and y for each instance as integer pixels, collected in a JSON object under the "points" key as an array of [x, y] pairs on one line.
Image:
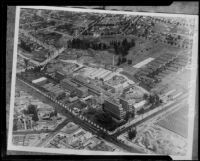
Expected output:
{"points": [[191, 112]]}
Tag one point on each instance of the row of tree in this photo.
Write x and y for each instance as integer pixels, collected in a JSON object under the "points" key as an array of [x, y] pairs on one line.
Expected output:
{"points": [[121, 49], [153, 99], [85, 44], [32, 110]]}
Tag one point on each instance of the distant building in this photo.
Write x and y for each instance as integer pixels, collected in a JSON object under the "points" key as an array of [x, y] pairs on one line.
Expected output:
{"points": [[57, 94], [60, 75], [68, 85], [80, 91], [92, 88], [114, 109], [72, 99]]}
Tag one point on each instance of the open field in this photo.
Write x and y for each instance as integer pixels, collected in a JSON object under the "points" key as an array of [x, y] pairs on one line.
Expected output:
{"points": [[176, 122]]}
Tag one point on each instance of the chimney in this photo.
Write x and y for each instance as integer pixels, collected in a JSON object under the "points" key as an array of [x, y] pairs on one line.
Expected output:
{"points": [[113, 60]]}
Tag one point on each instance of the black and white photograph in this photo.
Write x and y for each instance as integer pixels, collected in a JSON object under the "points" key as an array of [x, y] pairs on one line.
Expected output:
{"points": [[102, 82]]}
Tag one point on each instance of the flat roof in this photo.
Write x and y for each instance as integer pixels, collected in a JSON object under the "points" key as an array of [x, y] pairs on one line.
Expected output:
{"points": [[69, 82]]}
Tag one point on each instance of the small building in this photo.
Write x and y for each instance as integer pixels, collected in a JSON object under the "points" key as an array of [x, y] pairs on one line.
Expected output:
{"points": [[140, 105], [40, 81], [60, 75], [72, 99]]}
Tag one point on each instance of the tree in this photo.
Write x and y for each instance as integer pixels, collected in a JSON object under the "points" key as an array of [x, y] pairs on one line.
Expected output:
{"points": [[32, 109], [55, 112], [129, 62], [101, 79], [133, 114], [154, 99], [145, 96], [123, 59], [116, 49], [119, 61], [141, 111], [15, 125], [24, 111], [49, 54], [125, 42], [26, 62], [24, 46], [129, 115], [132, 133], [35, 117]]}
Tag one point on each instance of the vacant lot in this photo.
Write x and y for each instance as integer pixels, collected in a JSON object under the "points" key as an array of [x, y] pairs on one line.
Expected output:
{"points": [[177, 122]]}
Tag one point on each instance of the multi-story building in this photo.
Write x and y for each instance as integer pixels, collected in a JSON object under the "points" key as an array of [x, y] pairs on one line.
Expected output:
{"points": [[114, 108], [126, 104]]}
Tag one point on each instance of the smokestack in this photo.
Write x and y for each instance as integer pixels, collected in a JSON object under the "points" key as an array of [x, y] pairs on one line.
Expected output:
{"points": [[113, 60]]}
